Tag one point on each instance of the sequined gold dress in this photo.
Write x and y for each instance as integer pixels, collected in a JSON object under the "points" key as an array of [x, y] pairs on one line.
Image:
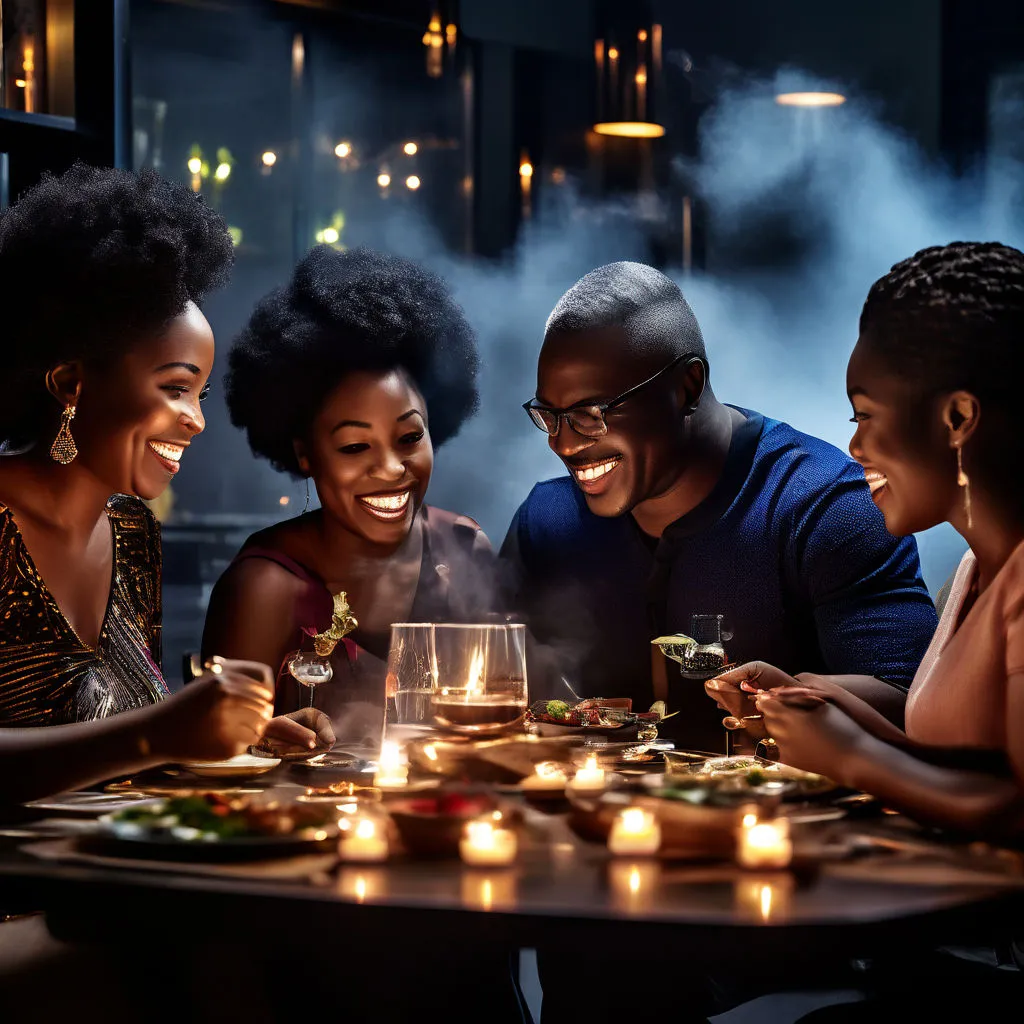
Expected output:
{"points": [[48, 676]]}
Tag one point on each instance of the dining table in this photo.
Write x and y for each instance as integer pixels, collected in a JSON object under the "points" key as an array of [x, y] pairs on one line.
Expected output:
{"points": [[863, 880]]}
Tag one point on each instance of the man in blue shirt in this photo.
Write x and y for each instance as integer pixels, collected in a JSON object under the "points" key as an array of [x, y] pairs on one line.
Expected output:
{"points": [[678, 505]]}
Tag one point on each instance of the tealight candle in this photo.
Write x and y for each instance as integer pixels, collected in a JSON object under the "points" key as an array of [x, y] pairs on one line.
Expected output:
{"points": [[363, 840], [546, 776], [391, 772], [589, 777], [763, 844], [483, 845], [634, 831]]}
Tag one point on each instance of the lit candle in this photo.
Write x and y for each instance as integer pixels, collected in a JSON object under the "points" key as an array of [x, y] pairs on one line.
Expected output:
{"points": [[763, 844], [483, 845], [391, 772], [362, 840], [547, 776], [635, 831], [588, 778]]}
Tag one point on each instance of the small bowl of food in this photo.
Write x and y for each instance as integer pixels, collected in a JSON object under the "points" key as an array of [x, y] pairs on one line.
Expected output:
{"points": [[431, 826]]}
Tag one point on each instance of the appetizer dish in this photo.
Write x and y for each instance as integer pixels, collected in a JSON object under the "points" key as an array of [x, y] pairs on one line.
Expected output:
{"points": [[732, 778], [212, 820]]}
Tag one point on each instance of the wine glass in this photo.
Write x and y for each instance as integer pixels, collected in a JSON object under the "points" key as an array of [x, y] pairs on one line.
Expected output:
{"points": [[480, 673], [310, 670], [412, 671], [705, 658]]}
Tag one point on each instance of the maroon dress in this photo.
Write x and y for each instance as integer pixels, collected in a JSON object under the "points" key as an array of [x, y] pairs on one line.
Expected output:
{"points": [[456, 584]]}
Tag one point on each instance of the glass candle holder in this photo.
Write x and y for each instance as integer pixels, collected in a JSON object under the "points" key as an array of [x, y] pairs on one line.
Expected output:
{"points": [[480, 683]]}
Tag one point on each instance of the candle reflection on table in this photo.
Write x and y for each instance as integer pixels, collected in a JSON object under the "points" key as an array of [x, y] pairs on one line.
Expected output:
{"points": [[362, 884], [633, 884], [764, 897], [485, 891]]}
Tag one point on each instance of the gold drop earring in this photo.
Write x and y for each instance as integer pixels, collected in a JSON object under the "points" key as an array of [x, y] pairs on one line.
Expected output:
{"points": [[64, 449], [964, 481]]}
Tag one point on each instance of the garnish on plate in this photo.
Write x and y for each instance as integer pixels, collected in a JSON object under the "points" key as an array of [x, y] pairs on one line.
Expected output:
{"points": [[214, 818]]}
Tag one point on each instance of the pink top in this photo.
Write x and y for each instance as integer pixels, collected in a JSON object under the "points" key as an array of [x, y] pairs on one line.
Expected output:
{"points": [[958, 697]]}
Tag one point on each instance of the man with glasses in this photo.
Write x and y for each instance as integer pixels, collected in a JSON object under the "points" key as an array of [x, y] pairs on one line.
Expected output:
{"points": [[677, 505]]}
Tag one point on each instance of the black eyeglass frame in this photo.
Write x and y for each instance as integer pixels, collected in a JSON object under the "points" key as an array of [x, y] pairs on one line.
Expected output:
{"points": [[601, 408]]}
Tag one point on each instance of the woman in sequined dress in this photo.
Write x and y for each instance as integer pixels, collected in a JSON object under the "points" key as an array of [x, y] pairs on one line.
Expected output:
{"points": [[106, 356]]}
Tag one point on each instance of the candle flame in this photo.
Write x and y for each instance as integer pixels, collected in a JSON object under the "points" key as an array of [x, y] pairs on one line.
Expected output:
{"points": [[366, 829], [591, 763], [634, 819], [766, 902], [476, 670], [430, 751], [390, 757], [487, 894], [749, 820], [360, 889], [634, 880]]}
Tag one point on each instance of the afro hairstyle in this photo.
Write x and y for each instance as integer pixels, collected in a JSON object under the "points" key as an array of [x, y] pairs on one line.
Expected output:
{"points": [[343, 312]]}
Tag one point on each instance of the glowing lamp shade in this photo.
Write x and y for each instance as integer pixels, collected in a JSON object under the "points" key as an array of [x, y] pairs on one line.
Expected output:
{"points": [[628, 67], [810, 99], [630, 129]]}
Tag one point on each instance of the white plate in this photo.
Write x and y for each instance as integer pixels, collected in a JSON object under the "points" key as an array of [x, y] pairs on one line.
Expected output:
{"points": [[91, 803], [241, 766]]}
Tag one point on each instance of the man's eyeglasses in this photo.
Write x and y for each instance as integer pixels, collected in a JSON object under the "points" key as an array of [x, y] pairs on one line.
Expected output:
{"points": [[587, 418]]}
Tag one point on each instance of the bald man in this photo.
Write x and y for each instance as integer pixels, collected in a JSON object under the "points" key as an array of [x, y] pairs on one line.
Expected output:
{"points": [[676, 505]]}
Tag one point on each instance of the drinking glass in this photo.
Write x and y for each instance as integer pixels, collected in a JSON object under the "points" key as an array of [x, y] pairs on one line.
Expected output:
{"points": [[480, 678], [412, 671], [706, 657], [310, 670]]}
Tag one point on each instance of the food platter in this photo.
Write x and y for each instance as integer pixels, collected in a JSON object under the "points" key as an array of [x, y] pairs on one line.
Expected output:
{"points": [[214, 828], [731, 779]]}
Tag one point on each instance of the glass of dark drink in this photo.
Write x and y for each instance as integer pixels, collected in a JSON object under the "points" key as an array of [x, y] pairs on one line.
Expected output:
{"points": [[480, 687]]}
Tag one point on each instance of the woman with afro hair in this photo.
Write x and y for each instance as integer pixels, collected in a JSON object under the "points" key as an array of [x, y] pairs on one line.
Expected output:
{"points": [[106, 356], [350, 376]]}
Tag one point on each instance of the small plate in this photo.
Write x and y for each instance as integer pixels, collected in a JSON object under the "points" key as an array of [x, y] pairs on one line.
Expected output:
{"points": [[91, 803], [115, 839], [242, 766]]}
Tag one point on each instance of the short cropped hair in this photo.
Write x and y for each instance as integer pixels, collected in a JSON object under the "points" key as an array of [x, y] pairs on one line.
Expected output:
{"points": [[344, 312], [648, 305]]}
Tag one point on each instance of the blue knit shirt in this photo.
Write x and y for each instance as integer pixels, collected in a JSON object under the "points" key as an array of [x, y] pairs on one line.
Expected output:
{"points": [[788, 546]]}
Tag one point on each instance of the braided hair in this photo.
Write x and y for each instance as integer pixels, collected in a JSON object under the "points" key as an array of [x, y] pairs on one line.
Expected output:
{"points": [[952, 317]]}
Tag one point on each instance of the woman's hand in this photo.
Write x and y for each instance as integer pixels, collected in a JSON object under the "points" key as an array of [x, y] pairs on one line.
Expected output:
{"points": [[734, 692], [216, 717], [297, 735], [810, 732]]}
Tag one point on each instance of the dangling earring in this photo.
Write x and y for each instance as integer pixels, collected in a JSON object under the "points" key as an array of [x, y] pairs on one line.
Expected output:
{"points": [[964, 481], [305, 508], [64, 449]]}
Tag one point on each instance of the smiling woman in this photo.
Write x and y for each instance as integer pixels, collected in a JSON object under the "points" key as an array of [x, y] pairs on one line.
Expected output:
{"points": [[368, 365], [106, 357]]}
